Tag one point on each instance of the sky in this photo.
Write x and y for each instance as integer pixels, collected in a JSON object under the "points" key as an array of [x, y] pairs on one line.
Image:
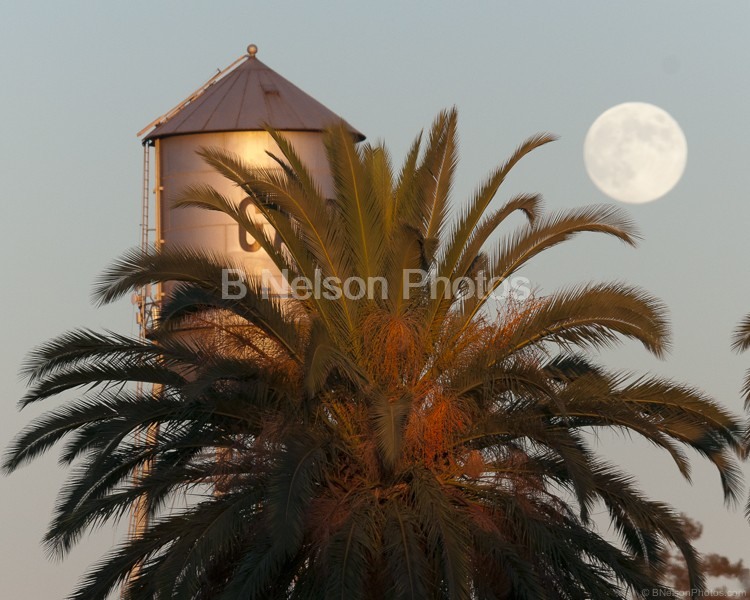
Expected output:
{"points": [[79, 79]]}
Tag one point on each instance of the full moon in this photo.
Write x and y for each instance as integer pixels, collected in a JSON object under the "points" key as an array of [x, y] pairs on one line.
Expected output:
{"points": [[635, 152]]}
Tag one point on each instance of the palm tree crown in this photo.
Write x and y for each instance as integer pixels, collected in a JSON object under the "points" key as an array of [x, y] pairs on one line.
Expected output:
{"points": [[406, 444]]}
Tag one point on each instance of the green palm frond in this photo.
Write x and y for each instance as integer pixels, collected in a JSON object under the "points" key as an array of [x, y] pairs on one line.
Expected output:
{"points": [[409, 201], [356, 202], [407, 563], [78, 346], [446, 533], [741, 339], [594, 316], [528, 204], [114, 373], [389, 420], [348, 552], [134, 269], [437, 171], [472, 216]]}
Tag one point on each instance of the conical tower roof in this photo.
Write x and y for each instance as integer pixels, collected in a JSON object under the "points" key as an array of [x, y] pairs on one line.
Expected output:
{"points": [[247, 98]]}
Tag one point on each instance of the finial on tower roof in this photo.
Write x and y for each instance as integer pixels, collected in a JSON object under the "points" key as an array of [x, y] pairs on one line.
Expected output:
{"points": [[252, 50]]}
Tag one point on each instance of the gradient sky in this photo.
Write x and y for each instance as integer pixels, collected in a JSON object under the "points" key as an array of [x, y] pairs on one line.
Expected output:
{"points": [[79, 79]]}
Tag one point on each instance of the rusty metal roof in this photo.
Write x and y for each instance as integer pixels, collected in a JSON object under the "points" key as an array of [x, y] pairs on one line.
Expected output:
{"points": [[247, 98]]}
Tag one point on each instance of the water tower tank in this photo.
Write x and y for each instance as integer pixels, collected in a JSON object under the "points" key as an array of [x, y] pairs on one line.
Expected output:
{"points": [[231, 113]]}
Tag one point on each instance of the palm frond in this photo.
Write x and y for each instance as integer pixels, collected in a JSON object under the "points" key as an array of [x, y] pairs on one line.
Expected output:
{"points": [[389, 420], [593, 316], [357, 203], [438, 169], [741, 339]]}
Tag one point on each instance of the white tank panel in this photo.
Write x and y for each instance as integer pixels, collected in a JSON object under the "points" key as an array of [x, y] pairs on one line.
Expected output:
{"points": [[181, 166]]}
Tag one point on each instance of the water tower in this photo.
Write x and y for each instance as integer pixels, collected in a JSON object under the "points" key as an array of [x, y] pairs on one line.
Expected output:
{"points": [[230, 111]]}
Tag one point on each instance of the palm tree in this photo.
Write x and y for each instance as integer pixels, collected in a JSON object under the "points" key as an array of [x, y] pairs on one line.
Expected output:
{"points": [[740, 343], [406, 445]]}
